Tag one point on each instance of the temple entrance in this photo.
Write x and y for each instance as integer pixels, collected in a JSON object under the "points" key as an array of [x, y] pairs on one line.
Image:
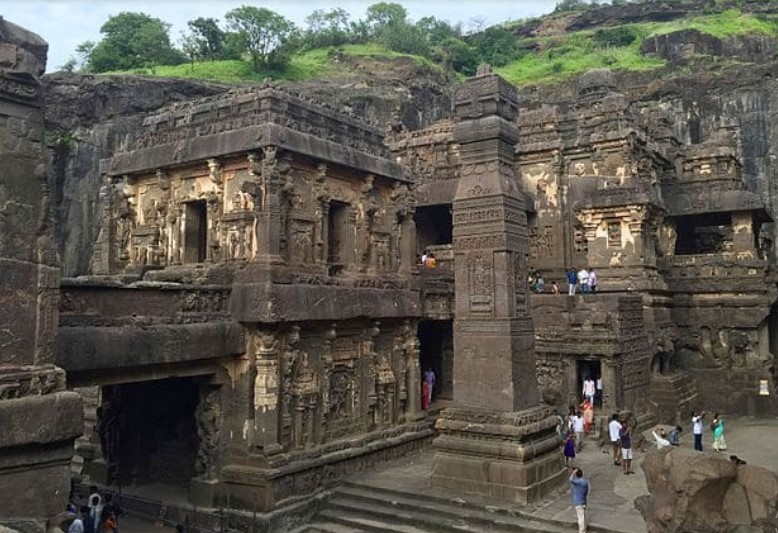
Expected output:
{"points": [[587, 369], [434, 225], [195, 231], [148, 433], [710, 233], [436, 339]]}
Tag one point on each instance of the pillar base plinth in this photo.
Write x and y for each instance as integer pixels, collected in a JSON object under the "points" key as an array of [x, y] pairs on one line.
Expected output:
{"points": [[509, 456]]}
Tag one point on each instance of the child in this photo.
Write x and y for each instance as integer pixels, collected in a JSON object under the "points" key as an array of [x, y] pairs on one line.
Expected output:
{"points": [[569, 449]]}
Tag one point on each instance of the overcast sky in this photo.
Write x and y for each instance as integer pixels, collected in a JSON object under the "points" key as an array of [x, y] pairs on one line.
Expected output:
{"points": [[65, 23]]}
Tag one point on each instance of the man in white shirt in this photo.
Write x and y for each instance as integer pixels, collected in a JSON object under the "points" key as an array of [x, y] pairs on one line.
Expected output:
{"points": [[588, 390], [697, 421], [578, 429], [614, 432], [583, 280], [661, 441]]}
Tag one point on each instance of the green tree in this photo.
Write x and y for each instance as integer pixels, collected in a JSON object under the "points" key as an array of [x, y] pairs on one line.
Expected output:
{"points": [[458, 55], [264, 35], [207, 38], [327, 28], [131, 40], [496, 46], [385, 14]]}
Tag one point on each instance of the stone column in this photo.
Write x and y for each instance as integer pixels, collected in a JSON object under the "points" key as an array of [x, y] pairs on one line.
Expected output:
{"points": [[499, 441], [744, 241], [39, 419], [266, 392]]}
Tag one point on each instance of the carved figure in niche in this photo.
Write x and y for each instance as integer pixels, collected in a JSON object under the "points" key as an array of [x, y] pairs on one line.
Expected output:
{"points": [[236, 245], [289, 361], [715, 349], [305, 390], [207, 416], [302, 243], [579, 169]]}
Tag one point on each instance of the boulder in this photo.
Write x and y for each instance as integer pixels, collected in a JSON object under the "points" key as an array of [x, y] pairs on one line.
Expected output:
{"points": [[702, 492]]}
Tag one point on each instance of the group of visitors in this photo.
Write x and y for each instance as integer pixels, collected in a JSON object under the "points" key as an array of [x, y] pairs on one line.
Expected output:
{"points": [[428, 260], [100, 515], [716, 428], [583, 280], [620, 435]]}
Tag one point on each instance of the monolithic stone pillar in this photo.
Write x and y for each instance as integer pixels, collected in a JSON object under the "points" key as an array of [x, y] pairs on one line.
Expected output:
{"points": [[499, 441], [39, 419]]}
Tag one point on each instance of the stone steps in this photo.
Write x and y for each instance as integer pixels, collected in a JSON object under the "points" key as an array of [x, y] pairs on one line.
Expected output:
{"points": [[380, 510]]}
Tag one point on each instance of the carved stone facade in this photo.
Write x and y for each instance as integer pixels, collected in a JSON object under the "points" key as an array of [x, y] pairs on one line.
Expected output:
{"points": [[609, 187], [258, 249]]}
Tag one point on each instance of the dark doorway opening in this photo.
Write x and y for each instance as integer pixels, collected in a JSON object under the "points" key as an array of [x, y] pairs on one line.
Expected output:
{"points": [[337, 235], [434, 226], [148, 432], [587, 369], [436, 340], [704, 234], [195, 231]]}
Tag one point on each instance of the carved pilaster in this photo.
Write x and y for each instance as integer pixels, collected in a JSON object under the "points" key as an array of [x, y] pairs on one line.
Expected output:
{"points": [[266, 391]]}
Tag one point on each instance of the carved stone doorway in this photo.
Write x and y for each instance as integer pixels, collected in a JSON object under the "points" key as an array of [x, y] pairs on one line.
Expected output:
{"points": [[436, 338], [587, 369], [195, 231], [148, 433]]}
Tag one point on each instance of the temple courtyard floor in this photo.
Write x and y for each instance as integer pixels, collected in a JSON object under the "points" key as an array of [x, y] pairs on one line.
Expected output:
{"points": [[612, 493]]}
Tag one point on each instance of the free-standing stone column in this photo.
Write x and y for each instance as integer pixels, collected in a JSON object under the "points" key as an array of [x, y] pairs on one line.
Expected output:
{"points": [[39, 420], [499, 441]]}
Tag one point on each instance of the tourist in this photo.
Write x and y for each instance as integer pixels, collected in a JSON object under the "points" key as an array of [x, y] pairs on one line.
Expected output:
{"points": [[554, 288], [431, 262], [583, 280], [429, 377], [719, 443], [598, 392], [111, 512], [675, 436], [614, 432], [661, 439], [697, 429], [569, 449], [572, 281], [95, 512], [424, 258], [626, 449], [77, 526], [540, 284], [570, 417], [592, 281], [589, 389], [579, 492], [578, 429], [588, 413]]}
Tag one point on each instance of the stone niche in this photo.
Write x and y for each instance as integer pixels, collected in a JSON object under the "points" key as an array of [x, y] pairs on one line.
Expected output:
{"points": [[40, 420]]}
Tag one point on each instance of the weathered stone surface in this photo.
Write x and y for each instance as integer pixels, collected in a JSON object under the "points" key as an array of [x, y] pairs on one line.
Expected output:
{"points": [[691, 491], [39, 420]]}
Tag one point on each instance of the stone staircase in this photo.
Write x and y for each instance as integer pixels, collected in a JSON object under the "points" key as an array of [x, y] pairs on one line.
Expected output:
{"points": [[358, 508], [674, 396]]}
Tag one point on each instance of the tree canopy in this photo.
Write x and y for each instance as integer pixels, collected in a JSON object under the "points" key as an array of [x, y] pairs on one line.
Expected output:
{"points": [[264, 34], [130, 40]]}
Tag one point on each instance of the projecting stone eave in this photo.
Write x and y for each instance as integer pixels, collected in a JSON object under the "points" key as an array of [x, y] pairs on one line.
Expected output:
{"points": [[197, 149]]}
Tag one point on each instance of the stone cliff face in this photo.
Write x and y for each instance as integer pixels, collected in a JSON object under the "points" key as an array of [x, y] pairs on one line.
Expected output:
{"points": [[88, 116]]}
